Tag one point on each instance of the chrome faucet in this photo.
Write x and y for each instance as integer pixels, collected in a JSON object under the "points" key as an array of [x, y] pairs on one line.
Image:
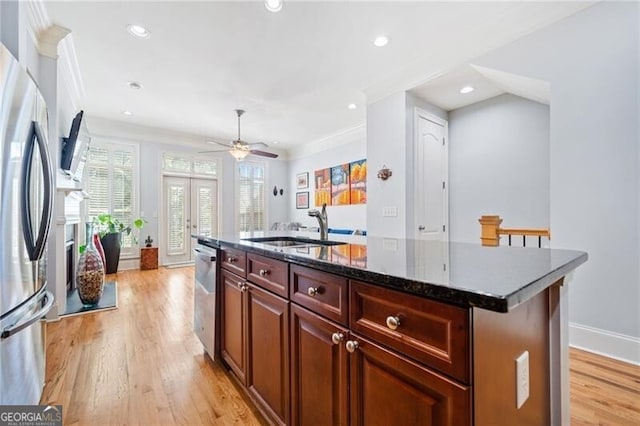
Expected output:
{"points": [[322, 220]]}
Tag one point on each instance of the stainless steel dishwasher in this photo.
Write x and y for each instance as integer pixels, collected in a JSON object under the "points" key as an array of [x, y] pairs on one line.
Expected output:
{"points": [[204, 295]]}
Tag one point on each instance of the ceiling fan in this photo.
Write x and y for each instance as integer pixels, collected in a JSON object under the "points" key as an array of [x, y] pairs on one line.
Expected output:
{"points": [[239, 149]]}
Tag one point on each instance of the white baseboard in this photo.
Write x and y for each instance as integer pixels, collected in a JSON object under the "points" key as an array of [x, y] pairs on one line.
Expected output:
{"points": [[606, 343]]}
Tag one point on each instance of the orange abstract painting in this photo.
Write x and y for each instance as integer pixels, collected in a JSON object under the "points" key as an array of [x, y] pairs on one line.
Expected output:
{"points": [[358, 179], [340, 185], [323, 187]]}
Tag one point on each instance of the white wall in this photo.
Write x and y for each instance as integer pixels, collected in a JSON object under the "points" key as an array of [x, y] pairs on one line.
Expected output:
{"points": [[498, 164], [390, 142], [154, 142], [591, 61], [333, 151]]}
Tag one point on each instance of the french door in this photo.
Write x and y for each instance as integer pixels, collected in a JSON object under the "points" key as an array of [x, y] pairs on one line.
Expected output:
{"points": [[191, 207]]}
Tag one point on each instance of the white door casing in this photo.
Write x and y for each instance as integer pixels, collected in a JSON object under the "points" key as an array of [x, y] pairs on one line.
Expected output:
{"points": [[431, 177]]}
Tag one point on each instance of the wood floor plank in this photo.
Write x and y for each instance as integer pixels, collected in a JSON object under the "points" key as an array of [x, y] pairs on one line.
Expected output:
{"points": [[141, 364]]}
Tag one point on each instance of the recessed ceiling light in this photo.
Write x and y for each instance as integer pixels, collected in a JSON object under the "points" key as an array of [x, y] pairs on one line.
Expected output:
{"points": [[127, 113], [275, 142], [138, 31], [352, 106], [273, 5], [467, 89], [381, 41], [134, 85]]}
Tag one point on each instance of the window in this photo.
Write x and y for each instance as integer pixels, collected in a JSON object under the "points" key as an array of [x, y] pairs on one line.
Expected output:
{"points": [[176, 164], [251, 197], [111, 180]]}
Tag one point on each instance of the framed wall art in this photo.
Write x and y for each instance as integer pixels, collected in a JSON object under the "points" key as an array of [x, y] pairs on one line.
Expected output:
{"points": [[302, 200], [302, 180]]}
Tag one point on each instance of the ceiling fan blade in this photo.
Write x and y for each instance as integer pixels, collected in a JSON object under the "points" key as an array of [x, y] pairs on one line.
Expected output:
{"points": [[258, 144], [225, 144], [263, 153], [214, 150]]}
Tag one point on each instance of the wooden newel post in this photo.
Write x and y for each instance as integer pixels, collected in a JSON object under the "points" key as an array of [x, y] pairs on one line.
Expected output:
{"points": [[490, 225]]}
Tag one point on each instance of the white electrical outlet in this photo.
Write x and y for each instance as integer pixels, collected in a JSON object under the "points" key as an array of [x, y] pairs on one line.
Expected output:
{"points": [[390, 211], [522, 379]]}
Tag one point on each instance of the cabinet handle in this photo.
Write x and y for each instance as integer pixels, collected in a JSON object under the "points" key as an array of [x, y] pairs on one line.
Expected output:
{"points": [[264, 272], [393, 322], [312, 291], [351, 345], [336, 338], [421, 228], [231, 259], [243, 286]]}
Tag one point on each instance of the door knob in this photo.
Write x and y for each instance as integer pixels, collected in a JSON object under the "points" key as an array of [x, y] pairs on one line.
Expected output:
{"points": [[421, 228], [336, 338]]}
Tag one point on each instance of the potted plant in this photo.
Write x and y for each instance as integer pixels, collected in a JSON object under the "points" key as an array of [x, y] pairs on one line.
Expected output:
{"points": [[110, 231]]}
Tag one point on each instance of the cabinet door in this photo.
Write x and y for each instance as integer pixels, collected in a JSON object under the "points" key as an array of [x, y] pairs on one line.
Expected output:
{"points": [[320, 375], [268, 352], [234, 323], [388, 389]]}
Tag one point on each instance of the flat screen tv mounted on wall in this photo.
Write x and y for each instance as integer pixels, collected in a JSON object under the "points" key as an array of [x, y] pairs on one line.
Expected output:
{"points": [[74, 148]]}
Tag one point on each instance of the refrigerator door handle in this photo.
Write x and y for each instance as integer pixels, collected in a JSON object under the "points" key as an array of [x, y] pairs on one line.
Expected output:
{"points": [[45, 297], [36, 248], [47, 205]]}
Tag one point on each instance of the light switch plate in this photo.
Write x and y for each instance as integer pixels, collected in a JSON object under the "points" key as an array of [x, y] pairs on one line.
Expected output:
{"points": [[522, 379], [390, 211]]}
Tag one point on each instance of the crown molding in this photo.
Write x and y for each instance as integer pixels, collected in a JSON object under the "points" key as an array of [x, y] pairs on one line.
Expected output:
{"points": [[334, 140], [49, 38], [37, 19]]}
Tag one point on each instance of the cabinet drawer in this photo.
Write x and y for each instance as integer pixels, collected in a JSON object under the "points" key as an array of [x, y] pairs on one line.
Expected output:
{"points": [[234, 260], [433, 333], [323, 293], [270, 274]]}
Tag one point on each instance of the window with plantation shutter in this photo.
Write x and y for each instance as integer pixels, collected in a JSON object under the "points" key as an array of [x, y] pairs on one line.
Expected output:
{"points": [[111, 184], [251, 197]]}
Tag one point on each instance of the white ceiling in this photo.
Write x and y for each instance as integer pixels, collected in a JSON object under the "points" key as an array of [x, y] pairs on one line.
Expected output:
{"points": [[294, 72]]}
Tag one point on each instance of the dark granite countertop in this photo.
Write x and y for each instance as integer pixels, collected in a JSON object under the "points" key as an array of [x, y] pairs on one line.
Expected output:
{"points": [[463, 274]]}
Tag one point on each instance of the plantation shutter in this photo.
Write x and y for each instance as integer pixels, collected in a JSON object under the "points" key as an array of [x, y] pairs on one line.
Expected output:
{"points": [[176, 192], [251, 197], [111, 185]]}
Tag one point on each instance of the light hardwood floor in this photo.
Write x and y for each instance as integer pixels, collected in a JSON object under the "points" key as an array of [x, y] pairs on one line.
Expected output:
{"points": [[141, 364]]}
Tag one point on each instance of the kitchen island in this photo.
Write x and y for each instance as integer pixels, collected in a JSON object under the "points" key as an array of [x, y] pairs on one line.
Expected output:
{"points": [[391, 331]]}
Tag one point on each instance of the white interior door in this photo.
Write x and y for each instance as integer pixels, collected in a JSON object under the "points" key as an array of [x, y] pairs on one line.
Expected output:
{"points": [[191, 208], [431, 178]]}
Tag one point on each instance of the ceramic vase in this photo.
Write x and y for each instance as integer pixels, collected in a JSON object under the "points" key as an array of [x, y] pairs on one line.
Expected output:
{"points": [[90, 271]]}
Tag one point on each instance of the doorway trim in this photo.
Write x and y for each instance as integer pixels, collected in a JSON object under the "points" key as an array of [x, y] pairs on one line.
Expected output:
{"points": [[417, 114]]}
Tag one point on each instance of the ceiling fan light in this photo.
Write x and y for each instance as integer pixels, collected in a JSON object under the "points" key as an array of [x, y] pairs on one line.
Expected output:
{"points": [[273, 5], [238, 154]]}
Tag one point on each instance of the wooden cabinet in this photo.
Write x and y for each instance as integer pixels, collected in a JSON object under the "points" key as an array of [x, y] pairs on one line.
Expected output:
{"points": [[234, 260], [233, 330], [326, 352], [268, 352], [431, 332], [270, 274], [324, 293], [389, 389], [319, 370]]}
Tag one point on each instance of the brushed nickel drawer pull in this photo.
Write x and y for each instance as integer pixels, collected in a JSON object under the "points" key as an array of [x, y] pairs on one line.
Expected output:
{"points": [[393, 322], [264, 272], [313, 291], [351, 345], [336, 338]]}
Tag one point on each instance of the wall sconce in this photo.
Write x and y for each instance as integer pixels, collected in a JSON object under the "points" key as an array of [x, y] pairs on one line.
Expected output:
{"points": [[276, 191], [384, 173]]}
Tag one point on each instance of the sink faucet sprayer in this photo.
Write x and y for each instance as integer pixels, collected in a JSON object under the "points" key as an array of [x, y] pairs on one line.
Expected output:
{"points": [[322, 220]]}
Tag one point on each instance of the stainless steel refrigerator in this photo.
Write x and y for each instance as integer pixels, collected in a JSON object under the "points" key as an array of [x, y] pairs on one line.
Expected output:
{"points": [[25, 216]]}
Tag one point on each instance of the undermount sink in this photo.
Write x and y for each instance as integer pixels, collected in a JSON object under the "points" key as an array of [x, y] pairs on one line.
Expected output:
{"points": [[286, 242]]}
